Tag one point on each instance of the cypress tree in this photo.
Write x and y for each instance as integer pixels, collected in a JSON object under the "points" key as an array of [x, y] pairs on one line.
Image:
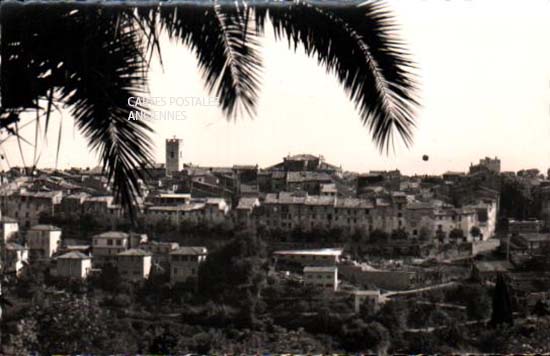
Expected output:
{"points": [[502, 306]]}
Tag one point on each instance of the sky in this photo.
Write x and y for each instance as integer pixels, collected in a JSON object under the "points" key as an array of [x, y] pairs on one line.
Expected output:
{"points": [[484, 69]]}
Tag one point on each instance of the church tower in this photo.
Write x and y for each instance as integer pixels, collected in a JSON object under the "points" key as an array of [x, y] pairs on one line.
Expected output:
{"points": [[174, 155]]}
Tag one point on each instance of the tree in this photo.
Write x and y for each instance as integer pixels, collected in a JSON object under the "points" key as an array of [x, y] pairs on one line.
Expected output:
{"points": [[439, 317], [424, 234], [236, 272], [399, 234], [456, 234], [502, 306], [43, 49], [378, 236], [475, 232], [540, 309], [393, 316], [477, 302], [23, 341], [440, 235], [74, 325]]}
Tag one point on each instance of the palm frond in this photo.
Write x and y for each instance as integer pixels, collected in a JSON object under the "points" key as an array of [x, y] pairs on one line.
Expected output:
{"points": [[92, 57], [226, 44], [113, 71], [359, 44]]}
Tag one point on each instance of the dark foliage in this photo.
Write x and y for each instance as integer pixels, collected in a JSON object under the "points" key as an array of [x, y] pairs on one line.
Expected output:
{"points": [[502, 306]]}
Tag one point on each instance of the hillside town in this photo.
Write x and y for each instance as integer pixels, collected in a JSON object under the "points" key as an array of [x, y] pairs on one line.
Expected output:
{"points": [[366, 241]]}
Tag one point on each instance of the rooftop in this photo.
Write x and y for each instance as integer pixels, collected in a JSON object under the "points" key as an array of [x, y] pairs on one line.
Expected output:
{"points": [[182, 207], [7, 219], [74, 255], [45, 228], [190, 250], [493, 266], [367, 292], [302, 157], [113, 235], [247, 203], [15, 246], [134, 252], [535, 237], [316, 252]]}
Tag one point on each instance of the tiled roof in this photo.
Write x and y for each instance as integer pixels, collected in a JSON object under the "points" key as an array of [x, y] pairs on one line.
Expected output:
{"points": [[113, 235], [296, 177], [493, 266], [134, 252], [74, 255], [182, 207], [302, 157], [190, 250], [312, 252], [317, 200], [45, 228], [247, 203], [15, 246]]}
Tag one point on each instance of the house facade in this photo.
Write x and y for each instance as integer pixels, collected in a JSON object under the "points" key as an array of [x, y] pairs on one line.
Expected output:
{"points": [[134, 264], [43, 241], [325, 277], [185, 261], [73, 265], [106, 247]]}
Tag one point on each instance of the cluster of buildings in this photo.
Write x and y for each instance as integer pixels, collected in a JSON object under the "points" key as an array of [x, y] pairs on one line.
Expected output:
{"points": [[458, 211], [302, 192], [133, 255]]}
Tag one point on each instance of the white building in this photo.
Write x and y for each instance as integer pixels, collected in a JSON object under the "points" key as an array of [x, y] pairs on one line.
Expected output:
{"points": [[9, 228], [15, 257], [487, 211], [447, 220], [43, 241], [185, 261], [161, 253], [106, 247], [245, 209], [370, 299], [134, 264], [73, 265], [322, 276]]}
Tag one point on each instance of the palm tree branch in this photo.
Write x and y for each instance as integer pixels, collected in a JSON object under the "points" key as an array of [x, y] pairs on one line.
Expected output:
{"points": [[358, 44]]}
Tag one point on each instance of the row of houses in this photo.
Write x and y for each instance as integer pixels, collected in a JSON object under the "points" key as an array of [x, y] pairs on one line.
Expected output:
{"points": [[289, 211], [132, 254], [278, 211], [27, 207]]}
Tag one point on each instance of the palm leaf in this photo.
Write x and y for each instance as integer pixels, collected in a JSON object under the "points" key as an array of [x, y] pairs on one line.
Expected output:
{"points": [[93, 57], [226, 45], [357, 42]]}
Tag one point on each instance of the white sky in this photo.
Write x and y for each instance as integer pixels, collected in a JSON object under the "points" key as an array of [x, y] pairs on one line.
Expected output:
{"points": [[485, 74]]}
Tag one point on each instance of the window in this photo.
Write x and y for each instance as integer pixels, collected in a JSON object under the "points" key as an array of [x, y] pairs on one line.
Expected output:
{"points": [[119, 242], [109, 242]]}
